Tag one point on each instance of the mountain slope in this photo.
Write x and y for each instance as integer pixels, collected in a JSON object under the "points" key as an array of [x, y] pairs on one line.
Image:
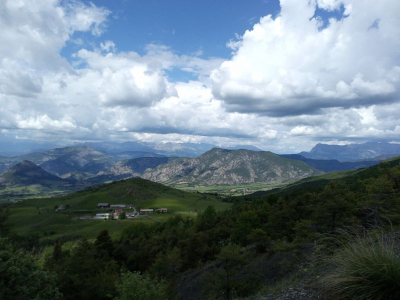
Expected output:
{"points": [[313, 184], [128, 168], [28, 180], [137, 166], [26, 173], [60, 161], [330, 165], [352, 152], [79, 159], [229, 167], [134, 154], [168, 149]]}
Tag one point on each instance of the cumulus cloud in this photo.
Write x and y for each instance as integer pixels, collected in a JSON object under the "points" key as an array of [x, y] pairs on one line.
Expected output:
{"points": [[125, 79], [291, 82], [290, 65], [44, 122], [34, 32]]}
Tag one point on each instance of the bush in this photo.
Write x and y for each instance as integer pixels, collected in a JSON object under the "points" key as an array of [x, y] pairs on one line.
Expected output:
{"points": [[136, 286], [366, 268]]}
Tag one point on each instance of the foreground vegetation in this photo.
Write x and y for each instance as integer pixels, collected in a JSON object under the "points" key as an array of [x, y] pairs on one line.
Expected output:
{"points": [[365, 268], [234, 253]]}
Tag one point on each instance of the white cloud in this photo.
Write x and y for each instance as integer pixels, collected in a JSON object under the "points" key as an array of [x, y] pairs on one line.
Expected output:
{"points": [[329, 4], [44, 122], [290, 82], [108, 46], [290, 65]]}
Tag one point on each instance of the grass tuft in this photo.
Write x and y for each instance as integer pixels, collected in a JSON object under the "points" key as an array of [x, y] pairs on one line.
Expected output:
{"points": [[365, 268]]}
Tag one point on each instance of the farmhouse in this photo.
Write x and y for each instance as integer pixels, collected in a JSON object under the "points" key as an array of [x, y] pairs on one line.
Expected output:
{"points": [[146, 211], [102, 216], [162, 210], [117, 213], [103, 205], [118, 206]]}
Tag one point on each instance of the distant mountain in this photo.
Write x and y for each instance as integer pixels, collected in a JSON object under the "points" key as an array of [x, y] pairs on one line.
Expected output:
{"points": [[74, 161], [330, 165], [79, 159], [229, 167], [166, 149], [27, 173], [352, 152], [114, 147], [60, 154], [245, 147], [134, 154], [137, 166]]}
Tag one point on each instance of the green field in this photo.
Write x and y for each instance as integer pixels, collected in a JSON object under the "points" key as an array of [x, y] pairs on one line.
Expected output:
{"points": [[230, 190], [38, 216]]}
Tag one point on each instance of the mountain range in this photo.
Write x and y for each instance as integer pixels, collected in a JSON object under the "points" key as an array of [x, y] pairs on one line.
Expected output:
{"points": [[165, 149], [331, 165], [82, 159], [230, 167], [27, 179], [353, 152], [83, 166]]}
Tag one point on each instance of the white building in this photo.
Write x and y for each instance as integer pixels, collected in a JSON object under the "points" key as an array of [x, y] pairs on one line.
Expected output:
{"points": [[102, 216]]}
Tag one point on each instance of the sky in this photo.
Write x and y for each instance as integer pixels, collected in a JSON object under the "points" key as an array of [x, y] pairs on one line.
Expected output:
{"points": [[280, 75]]}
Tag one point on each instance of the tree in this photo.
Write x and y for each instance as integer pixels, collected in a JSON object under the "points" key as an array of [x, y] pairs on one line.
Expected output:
{"points": [[221, 282], [260, 239], [21, 278], [206, 219], [83, 274], [335, 207], [4, 226], [104, 245], [122, 215], [246, 222], [136, 286]]}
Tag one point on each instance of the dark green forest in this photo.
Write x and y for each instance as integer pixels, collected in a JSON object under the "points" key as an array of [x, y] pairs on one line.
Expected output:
{"points": [[229, 254]]}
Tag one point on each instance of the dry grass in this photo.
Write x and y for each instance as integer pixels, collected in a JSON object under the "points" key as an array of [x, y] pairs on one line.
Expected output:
{"points": [[365, 268]]}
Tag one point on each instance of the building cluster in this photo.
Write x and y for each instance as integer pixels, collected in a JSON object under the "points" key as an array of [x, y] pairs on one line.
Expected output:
{"points": [[151, 210], [119, 209]]}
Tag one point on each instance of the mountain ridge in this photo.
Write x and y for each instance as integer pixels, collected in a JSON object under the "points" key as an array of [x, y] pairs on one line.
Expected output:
{"points": [[228, 167], [331, 165], [352, 152], [27, 173]]}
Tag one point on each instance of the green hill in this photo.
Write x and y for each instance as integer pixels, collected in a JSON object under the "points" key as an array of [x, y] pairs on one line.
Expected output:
{"points": [[38, 216]]}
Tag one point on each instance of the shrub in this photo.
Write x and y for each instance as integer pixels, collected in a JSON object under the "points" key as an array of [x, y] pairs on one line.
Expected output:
{"points": [[366, 268], [137, 286]]}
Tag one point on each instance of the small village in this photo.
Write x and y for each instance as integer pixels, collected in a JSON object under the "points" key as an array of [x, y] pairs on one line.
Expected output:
{"points": [[117, 211]]}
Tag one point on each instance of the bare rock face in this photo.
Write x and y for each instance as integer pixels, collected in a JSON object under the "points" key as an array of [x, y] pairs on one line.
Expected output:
{"points": [[230, 167], [136, 166]]}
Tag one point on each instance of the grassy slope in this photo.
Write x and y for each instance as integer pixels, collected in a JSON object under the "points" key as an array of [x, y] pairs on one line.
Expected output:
{"points": [[37, 216], [230, 190]]}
